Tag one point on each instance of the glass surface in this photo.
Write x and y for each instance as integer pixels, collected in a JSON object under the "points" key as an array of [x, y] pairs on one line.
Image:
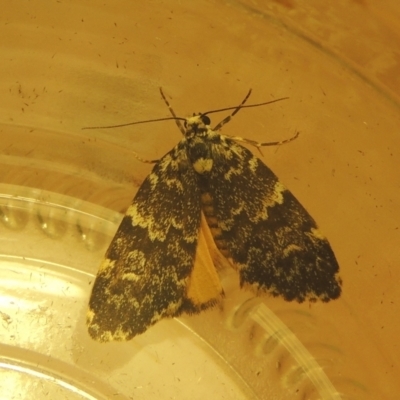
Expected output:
{"points": [[63, 189]]}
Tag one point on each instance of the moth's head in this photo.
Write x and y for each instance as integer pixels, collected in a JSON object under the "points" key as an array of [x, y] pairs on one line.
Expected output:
{"points": [[197, 123]]}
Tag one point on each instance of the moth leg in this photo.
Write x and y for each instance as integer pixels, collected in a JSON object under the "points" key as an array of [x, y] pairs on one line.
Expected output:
{"points": [[258, 145], [143, 160]]}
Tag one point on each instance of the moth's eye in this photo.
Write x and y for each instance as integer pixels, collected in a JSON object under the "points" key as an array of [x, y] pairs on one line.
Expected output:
{"points": [[206, 120]]}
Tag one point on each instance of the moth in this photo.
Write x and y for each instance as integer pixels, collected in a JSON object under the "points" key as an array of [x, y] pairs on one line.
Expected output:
{"points": [[208, 199]]}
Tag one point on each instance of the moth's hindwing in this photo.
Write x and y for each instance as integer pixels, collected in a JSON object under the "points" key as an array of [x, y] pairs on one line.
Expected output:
{"points": [[147, 269], [274, 242]]}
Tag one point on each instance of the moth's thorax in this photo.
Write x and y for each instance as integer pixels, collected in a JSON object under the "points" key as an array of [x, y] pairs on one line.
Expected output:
{"points": [[199, 142], [197, 124]]}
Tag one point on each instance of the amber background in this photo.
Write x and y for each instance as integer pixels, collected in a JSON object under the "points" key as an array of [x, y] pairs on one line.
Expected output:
{"points": [[66, 65]]}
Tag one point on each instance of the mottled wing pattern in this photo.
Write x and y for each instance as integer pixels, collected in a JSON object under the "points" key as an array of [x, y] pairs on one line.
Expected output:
{"points": [[145, 272], [272, 239]]}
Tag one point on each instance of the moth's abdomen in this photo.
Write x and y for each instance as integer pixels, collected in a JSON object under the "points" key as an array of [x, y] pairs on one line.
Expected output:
{"points": [[212, 222]]}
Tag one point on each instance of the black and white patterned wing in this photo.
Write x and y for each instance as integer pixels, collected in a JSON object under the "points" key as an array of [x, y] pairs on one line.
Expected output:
{"points": [[144, 275], [274, 242]]}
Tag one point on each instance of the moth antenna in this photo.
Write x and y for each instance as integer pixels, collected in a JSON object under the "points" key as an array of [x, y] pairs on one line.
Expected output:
{"points": [[177, 119]]}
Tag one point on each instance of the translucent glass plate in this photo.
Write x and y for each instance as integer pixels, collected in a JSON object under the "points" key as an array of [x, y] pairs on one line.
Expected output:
{"points": [[63, 192]]}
